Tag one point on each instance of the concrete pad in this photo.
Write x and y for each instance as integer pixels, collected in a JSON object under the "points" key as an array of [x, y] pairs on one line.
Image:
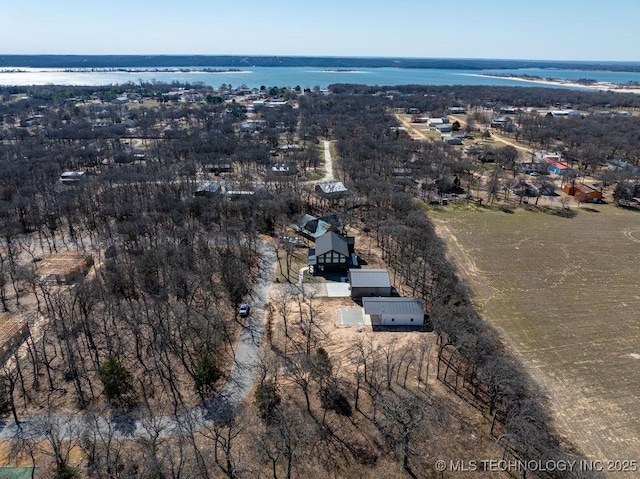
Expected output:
{"points": [[338, 290], [350, 317], [317, 290]]}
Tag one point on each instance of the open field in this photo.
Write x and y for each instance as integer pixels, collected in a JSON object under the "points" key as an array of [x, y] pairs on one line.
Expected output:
{"points": [[564, 294]]}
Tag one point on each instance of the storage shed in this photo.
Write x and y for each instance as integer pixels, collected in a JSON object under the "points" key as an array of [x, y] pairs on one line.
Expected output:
{"points": [[584, 193], [369, 282], [394, 311]]}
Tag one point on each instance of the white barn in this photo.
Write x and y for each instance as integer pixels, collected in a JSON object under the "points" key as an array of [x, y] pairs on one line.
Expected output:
{"points": [[394, 311]]}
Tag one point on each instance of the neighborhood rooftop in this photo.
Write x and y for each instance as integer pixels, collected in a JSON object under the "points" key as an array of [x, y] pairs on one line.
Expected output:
{"points": [[332, 187], [405, 306], [369, 278]]}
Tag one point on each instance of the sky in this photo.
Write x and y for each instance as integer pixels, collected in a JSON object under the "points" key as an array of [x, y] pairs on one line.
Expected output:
{"points": [[514, 29]]}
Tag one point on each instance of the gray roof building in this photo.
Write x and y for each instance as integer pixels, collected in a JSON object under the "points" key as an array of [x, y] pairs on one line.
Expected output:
{"points": [[210, 188], [72, 177], [331, 242], [331, 189], [394, 311], [369, 282], [311, 227], [369, 278], [332, 251]]}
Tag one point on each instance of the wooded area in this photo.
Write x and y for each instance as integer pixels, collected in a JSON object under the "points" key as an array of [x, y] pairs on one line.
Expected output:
{"points": [[151, 330]]}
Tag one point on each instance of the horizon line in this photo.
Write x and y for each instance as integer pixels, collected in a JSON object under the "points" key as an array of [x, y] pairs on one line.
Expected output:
{"points": [[367, 57]]}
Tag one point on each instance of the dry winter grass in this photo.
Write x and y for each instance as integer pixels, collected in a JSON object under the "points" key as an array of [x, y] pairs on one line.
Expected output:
{"points": [[564, 294]]}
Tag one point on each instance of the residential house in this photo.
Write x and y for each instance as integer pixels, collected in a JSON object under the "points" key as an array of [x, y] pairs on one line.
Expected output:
{"points": [[452, 140], [72, 177], [331, 190], [401, 171], [290, 147], [623, 165], [221, 165], [521, 187], [312, 228], [209, 189], [563, 113], [435, 122], [281, 169], [445, 128], [252, 126], [499, 122], [532, 167], [557, 168], [394, 311], [239, 194], [332, 253]]}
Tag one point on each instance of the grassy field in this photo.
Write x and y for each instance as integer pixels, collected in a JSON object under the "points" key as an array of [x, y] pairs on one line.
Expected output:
{"points": [[564, 293]]}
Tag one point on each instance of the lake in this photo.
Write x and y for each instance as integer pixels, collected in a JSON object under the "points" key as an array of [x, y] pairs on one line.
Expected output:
{"points": [[305, 77]]}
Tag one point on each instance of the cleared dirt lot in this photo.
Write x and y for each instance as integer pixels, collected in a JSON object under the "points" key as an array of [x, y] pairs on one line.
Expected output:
{"points": [[565, 295]]}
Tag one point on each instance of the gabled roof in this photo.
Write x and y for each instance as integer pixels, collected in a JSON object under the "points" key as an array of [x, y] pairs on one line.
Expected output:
{"points": [[554, 163], [584, 188], [331, 242], [410, 306], [332, 187], [369, 278], [209, 187], [312, 227]]}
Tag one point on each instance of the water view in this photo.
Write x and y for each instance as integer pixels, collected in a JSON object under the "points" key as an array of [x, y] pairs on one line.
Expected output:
{"points": [[305, 77]]}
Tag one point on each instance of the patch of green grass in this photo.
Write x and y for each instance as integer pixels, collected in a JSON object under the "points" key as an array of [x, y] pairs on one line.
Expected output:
{"points": [[313, 176]]}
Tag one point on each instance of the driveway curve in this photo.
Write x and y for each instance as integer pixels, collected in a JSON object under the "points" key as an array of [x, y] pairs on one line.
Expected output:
{"points": [[217, 410]]}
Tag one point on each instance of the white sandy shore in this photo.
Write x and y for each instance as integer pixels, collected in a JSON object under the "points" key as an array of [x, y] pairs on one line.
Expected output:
{"points": [[598, 86]]}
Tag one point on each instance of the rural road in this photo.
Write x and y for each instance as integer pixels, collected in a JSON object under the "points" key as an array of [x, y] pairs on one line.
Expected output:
{"points": [[328, 163], [497, 137], [236, 389], [418, 135]]}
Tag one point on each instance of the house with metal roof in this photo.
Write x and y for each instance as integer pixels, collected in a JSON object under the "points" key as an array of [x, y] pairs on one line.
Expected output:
{"points": [[583, 192], [209, 189], [311, 227], [394, 311], [331, 190], [332, 253], [281, 169], [72, 177], [369, 283], [555, 167], [219, 166]]}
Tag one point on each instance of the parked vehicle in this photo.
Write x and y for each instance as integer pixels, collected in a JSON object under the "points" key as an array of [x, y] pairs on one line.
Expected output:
{"points": [[244, 310]]}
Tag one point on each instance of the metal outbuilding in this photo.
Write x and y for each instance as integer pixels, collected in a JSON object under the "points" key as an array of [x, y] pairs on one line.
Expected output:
{"points": [[369, 282], [394, 311]]}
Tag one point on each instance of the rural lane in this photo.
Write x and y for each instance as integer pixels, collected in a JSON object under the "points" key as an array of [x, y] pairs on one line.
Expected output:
{"points": [[328, 163]]}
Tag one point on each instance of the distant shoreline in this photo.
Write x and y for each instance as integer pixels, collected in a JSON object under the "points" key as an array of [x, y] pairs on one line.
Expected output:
{"points": [[591, 85], [251, 61], [130, 70]]}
